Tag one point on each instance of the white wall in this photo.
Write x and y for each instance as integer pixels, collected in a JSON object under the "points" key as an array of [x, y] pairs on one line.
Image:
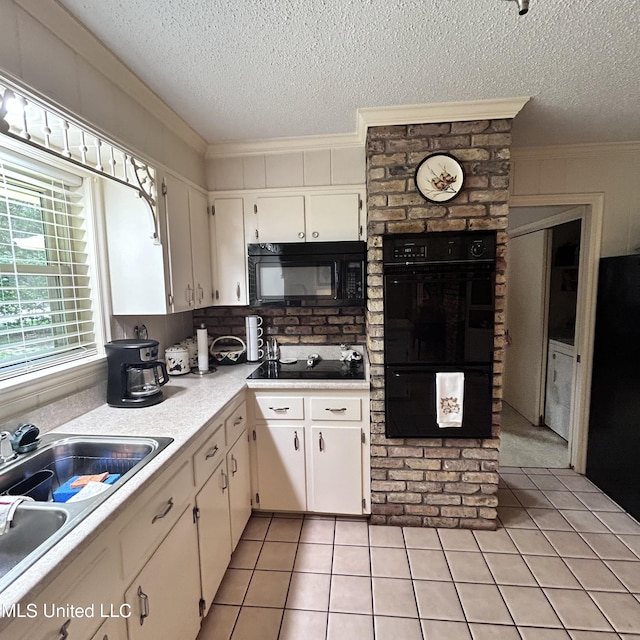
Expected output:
{"points": [[613, 170], [60, 61]]}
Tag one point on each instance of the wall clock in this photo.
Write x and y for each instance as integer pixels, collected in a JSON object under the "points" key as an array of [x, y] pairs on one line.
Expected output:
{"points": [[439, 177]]}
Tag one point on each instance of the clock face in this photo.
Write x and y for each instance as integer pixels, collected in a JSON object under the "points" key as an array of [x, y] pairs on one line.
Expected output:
{"points": [[439, 177]]}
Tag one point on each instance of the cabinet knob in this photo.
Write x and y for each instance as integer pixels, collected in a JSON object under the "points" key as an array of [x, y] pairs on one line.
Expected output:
{"points": [[315, 234], [296, 442], [238, 291], [321, 442], [301, 234], [64, 630]]}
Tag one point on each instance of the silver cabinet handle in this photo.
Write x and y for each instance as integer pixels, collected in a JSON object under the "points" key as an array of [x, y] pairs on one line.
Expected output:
{"points": [[200, 291], [164, 512], [301, 234], [225, 482], [144, 605], [238, 291], [315, 234], [296, 442], [64, 630], [212, 452], [189, 294], [234, 465], [321, 442], [281, 409], [336, 410]]}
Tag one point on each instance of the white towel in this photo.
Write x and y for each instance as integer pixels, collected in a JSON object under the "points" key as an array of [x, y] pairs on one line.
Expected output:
{"points": [[449, 399]]}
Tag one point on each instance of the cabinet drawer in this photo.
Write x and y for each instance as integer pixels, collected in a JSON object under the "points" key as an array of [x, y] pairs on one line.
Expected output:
{"points": [[236, 423], [155, 515], [208, 457], [279, 407], [336, 409]]}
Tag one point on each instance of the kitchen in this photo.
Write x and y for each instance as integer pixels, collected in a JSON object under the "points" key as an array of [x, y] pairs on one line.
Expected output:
{"points": [[339, 168]]}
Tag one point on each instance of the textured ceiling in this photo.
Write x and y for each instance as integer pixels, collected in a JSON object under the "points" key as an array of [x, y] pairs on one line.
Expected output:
{"points": [[255, 69]]}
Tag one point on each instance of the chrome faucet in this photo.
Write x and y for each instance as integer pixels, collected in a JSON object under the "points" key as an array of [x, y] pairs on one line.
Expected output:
{"points": [[6, 450]]}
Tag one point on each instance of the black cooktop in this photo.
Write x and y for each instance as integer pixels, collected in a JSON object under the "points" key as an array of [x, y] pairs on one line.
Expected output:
{"points": [[323, 370]]}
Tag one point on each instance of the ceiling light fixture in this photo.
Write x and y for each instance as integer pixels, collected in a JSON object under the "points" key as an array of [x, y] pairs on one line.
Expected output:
{"points": [[523, 6]]}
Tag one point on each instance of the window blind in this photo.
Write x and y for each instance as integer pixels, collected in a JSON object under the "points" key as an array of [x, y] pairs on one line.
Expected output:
{"points": [[46, 308]]}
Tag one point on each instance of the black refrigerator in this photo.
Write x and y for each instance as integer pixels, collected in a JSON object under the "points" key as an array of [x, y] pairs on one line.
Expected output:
{"points": [[613, 454]]}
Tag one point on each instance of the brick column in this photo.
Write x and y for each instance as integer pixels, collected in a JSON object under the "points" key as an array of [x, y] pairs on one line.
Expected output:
{"points": [[434, 482]]}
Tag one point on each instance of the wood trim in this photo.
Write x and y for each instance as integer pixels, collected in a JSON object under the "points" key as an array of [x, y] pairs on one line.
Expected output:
{"points": [[591, 242], [574, 150]]}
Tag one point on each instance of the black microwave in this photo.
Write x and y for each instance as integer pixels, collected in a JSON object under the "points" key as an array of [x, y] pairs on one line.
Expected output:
{"points": [[304, 274]]}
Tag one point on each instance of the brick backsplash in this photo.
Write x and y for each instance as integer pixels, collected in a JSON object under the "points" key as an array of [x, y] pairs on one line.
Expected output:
{"points": [[434, 482], [291, 325]]}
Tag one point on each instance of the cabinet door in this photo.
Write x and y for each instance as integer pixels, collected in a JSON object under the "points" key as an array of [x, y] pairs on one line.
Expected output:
{"points": [[165, 596], [179, 237], [281, 467], [230, 252], [331, 217], [280, 219], [112, 629], [213, 532], [238, 462], [335, 474], [200, 250]]}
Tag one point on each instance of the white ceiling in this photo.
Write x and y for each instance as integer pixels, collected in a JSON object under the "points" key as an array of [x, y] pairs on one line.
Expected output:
{"points": [[253, 69]]}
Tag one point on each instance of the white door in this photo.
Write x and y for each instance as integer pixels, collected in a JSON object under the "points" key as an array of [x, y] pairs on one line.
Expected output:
{"points": [[280, 219], [200, 249], [526, 321], [178, 226], [336, 470], [213, 532], [281, 468], [331, 217], [239, 487], [230, 252]]}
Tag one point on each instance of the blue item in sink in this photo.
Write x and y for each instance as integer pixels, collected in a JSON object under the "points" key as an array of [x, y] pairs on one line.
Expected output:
{"points": [[64, 492]]}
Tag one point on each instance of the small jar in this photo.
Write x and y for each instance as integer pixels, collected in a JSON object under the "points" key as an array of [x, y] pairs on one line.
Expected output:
{"points": [[177, 360]]}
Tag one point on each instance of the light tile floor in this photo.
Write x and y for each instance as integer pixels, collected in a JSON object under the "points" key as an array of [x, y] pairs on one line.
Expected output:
{"points": [[564, 565]]}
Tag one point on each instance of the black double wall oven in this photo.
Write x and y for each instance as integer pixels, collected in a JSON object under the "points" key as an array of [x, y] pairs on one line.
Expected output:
{"points": [[439, 307]]}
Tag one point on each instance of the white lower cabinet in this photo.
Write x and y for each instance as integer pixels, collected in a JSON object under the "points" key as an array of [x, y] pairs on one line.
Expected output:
{"points": [[165, 595], [239, 469], [335, 480], [281, 467], [214, 541], [113, 628], [311, 451]]}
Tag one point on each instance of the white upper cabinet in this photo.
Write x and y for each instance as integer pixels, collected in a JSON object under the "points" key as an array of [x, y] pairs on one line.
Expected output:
{"points": [[176, 194], [280, 219], [310, 217], [200, 249], [138, 266], [230, 254], [332, 217]]}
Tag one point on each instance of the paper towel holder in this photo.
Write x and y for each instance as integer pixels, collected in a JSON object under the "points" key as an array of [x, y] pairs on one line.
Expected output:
{"points": [[211, 369]]}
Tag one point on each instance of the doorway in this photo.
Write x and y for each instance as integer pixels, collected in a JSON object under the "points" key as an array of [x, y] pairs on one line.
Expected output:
{"points": [[552, 268]]}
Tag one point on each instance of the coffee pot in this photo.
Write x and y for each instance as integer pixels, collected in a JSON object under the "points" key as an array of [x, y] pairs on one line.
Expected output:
{"points": [[135, 374]]}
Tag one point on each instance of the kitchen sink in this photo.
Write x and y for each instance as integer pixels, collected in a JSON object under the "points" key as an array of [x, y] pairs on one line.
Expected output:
{"points": [[39, 525]]}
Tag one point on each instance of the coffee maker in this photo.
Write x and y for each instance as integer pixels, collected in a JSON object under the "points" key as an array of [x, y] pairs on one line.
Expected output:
{"points": [[135, 374]]}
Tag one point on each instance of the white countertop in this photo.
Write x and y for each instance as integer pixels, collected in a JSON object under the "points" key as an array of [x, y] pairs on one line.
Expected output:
{"points": [[190, 402]]}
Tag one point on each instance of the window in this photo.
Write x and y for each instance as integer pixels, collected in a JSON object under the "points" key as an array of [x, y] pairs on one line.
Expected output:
{"points": [[46, 279]]}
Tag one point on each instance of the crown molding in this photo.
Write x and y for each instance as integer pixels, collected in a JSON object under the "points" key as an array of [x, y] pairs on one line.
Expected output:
{"points": [[375, 117], [575, 150], [438, 112], [283, 145], [65, 26]]}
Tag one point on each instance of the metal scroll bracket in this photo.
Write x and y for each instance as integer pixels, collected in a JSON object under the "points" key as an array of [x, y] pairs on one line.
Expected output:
{"points": [[146, 183]]}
